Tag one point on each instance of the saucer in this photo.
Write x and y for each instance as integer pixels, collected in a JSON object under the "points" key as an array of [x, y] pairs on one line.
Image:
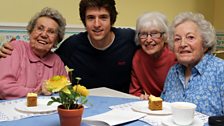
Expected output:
{"points": [[170, 122]]}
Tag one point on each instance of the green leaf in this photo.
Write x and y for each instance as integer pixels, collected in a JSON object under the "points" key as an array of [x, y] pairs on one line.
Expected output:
{"points": [[53, 98], [50, 102]]}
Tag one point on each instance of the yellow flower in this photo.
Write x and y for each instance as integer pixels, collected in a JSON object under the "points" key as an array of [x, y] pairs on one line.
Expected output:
{"points": [[66, 90], [70, 97], [81, 90], [57, 83]]}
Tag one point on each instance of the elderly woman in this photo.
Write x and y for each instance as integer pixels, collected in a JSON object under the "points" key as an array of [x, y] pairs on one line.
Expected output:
{"points": [[198, 77], [153, 60], [32, 63]]}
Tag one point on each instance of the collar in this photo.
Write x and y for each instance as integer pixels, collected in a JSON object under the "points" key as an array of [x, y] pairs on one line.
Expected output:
{"points": [[199, 68], [47, 60], [104, 48]]}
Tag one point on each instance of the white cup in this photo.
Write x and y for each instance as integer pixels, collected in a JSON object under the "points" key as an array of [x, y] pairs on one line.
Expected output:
{"points": [[183, 113]]}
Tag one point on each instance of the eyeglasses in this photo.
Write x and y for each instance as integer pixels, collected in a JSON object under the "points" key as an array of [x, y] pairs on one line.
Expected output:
{"points": [[49, 31], [154, 35]]}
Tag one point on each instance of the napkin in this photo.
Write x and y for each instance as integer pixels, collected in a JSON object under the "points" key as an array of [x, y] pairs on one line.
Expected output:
{"points": [[113, 117]]}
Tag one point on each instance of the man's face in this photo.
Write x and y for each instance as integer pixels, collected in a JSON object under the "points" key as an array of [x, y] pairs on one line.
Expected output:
{"points": [[98, 24]]}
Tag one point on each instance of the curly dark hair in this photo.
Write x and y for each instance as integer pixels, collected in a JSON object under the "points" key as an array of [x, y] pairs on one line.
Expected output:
{"points": [[109, 5]]}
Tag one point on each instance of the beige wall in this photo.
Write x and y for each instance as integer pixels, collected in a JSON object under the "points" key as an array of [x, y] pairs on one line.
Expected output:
{"points": [[129, 12], [218, 15], [22, 10]]}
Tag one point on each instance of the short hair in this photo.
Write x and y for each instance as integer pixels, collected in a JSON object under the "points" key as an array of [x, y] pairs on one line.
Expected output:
{"points": [[53, 14], [152, 19], [206, 29], [109, 5]]}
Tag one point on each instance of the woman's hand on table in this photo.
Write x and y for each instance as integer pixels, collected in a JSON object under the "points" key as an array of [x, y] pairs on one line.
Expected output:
{"points": [[44, 90], [144, 97]]}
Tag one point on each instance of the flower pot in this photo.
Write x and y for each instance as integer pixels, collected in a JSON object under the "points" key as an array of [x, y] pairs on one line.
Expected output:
{"points": [[70, 117]]}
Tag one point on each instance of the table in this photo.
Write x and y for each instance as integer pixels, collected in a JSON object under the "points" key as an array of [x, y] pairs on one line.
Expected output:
{"points": [[100, 98]]}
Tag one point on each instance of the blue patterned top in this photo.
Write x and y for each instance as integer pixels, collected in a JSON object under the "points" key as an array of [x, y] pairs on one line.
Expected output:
{"points": [[205, 87]]}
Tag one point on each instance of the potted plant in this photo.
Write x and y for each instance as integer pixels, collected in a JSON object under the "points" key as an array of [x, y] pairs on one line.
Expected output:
{"points": [[70, 97]]}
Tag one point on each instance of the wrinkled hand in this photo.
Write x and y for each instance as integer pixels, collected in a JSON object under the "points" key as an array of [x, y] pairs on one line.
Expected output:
{"points": [[144, 97], [44, 90], [6, 49], [38, 91]]}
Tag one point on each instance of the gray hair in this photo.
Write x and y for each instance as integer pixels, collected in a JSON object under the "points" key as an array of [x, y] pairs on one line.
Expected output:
{"points": [[53, 14], [206, 29], [152, 19]]}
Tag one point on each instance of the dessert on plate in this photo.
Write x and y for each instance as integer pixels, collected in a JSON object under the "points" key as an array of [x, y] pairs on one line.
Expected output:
{"points": [[155, 103], [31, 99]]}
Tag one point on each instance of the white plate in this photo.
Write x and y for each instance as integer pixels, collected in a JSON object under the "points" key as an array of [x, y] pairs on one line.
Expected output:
{"points": [[143, 107], [170, 122], [40, 108]]}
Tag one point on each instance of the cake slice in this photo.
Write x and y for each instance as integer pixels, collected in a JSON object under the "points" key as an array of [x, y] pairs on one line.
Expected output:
{"points": [[31, 99], [155, 103]]}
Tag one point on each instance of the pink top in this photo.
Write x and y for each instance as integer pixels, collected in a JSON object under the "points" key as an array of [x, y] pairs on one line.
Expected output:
{"points": [[24, 72], [149, 74]]}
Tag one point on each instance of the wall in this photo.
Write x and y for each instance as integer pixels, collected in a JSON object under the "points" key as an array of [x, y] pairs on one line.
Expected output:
{"points": [[18, 31], [129, 10], [23, 10], [218, 15], [19, 12]]}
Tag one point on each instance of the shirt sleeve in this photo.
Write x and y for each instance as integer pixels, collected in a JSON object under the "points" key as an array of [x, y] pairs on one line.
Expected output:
{"points": [[135, 88], [221, 82], [222, 97], [10, 70], [167, 83]]}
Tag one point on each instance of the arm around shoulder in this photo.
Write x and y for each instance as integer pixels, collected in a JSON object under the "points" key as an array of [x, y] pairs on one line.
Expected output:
{"points": [[6, 50]]}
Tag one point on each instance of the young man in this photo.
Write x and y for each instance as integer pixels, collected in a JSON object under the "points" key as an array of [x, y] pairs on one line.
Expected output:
{"points": [[102, 55]]}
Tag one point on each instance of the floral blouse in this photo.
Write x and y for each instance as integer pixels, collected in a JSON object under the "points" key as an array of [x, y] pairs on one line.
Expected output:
{"points": [[205, 87]]}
